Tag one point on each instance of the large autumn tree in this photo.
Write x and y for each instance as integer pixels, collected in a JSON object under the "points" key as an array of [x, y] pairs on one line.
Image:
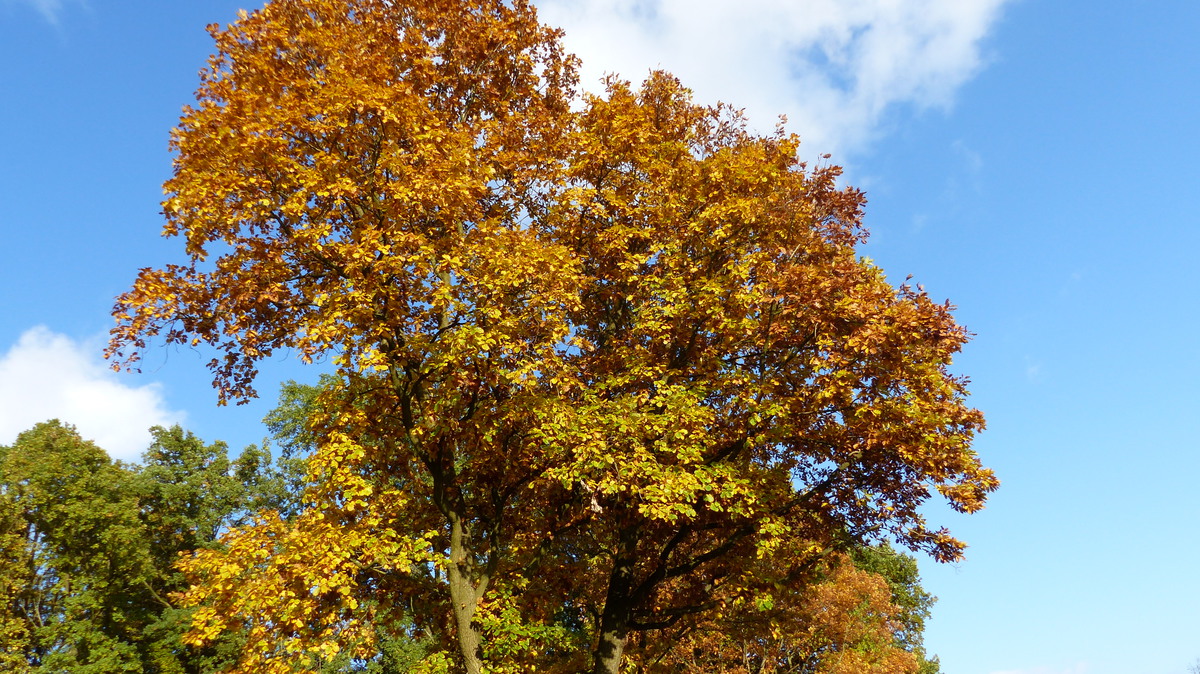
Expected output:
{"points": [[606, 365]]}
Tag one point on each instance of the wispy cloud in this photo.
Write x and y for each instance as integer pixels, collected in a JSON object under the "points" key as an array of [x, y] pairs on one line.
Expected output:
{"points": [[1033, 370], [834, 67], [1078, 668], [972, 160], [51, 10], [46, 375]]}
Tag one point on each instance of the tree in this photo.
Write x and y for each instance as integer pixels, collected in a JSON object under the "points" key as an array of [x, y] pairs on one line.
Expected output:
{"points": [[595, 366], [88, 547], [74, 521], [14, 629], [911, 600], [189, 493]]}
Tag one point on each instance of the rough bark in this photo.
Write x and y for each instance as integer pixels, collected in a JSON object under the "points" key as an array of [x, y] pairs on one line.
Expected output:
{"points": [[467, 585], [618, 607]]}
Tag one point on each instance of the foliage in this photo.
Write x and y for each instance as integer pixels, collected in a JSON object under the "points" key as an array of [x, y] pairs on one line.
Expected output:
{"points": [[75, 521], [288, 421], [600, 371], [839, 620], [14, 629], [88, 547], [911, 600]]}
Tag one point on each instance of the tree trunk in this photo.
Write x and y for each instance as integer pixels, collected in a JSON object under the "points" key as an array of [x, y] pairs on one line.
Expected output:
{"points": [[618, 607], [467, 583], [466, 588]]}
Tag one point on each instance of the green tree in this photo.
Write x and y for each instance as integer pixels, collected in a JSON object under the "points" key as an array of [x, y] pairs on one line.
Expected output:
{"points": [[82, 564], [89, 546], [14, 575], [189, 493]]}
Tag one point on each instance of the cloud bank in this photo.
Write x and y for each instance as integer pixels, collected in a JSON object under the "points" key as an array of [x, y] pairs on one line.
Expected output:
{"points": [[46, 375], [834, 67]]}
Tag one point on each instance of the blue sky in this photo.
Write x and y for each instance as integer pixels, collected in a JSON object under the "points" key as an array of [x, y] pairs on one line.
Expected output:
{"points": [[1033, 161]]}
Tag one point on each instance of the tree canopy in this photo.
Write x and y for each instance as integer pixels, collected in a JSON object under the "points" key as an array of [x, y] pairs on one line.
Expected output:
{"points": [[87, 548], [606, 365]]}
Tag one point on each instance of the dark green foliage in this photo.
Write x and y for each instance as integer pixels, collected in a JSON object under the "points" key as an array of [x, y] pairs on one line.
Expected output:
{"points": [[288, 422], [189, 494], [80, 560], [89, 545]]}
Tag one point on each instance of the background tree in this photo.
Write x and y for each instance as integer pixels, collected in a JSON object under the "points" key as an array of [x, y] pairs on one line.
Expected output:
{"points": [[594, 369], [14, 629], [914, 604], [190, 493], [80, 546], [89, 547]]}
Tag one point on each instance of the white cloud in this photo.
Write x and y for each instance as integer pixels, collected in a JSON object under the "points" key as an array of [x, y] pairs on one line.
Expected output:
{"points": [[834, 67], [46, 375]]}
